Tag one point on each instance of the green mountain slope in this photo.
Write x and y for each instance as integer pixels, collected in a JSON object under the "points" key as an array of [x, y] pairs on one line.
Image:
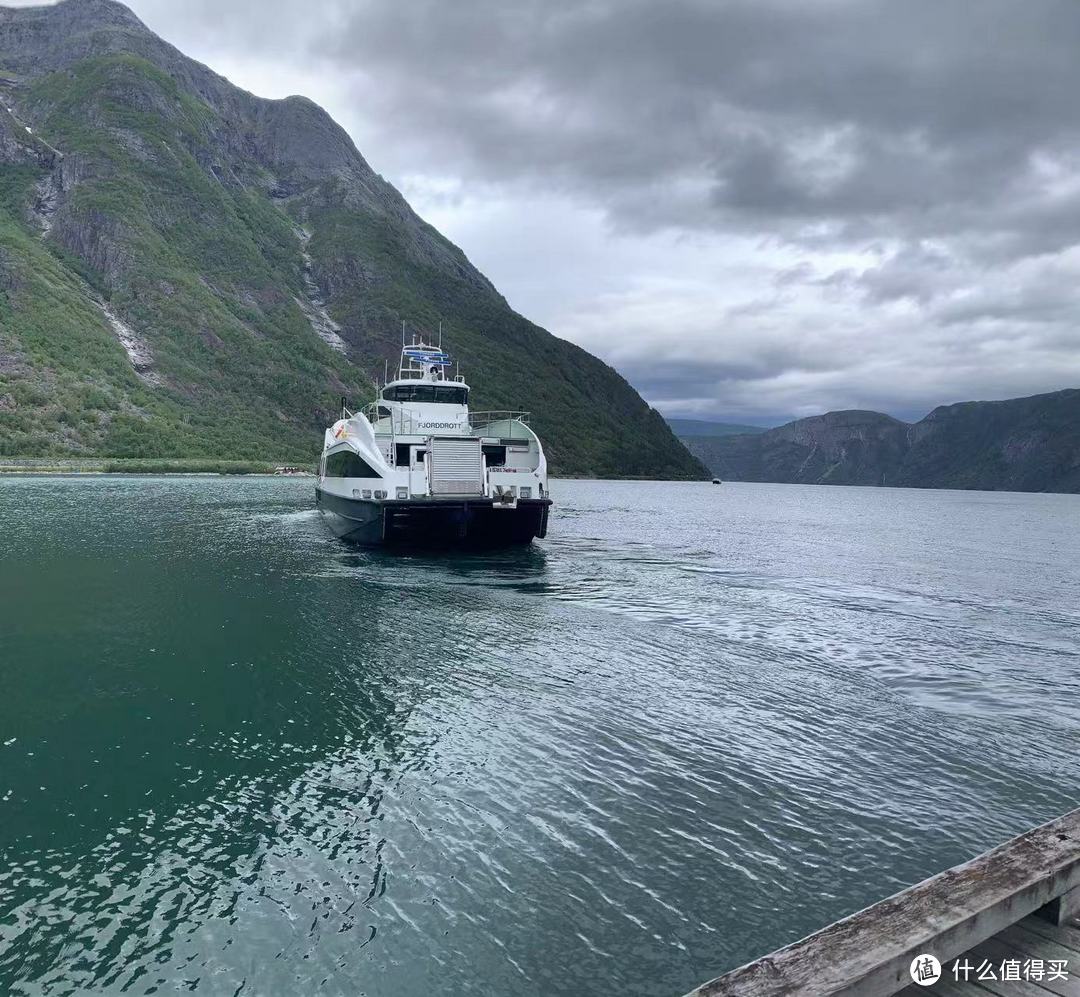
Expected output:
{"points": [[189, 270], [1023, 444]]}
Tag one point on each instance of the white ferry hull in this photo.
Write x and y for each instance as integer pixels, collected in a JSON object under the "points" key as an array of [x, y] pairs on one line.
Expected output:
{"points": [[433, 521], [419, 467]]}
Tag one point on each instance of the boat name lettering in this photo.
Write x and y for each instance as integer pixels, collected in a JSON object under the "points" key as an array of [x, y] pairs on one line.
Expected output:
{"points": [[440, 425]]}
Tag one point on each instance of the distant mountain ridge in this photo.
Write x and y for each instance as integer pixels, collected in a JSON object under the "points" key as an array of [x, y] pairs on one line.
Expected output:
{"points": [[1022, 444], [702, 427], [187, 270]]}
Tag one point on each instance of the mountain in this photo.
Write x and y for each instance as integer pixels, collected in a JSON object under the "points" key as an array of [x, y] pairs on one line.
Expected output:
{"points": [[189, 270], [685, 428], [1024, 444]]}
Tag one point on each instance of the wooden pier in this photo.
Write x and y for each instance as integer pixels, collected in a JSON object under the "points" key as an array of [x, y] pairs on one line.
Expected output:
{"points": [[1007, 924]]}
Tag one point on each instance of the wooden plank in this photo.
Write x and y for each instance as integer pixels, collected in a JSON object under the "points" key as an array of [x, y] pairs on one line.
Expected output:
{"points": [[1064, 934], [1039, 939], [869, 953], [1026, 944], [1014, 988], [995, 952], [950, 988], [971, 988]]}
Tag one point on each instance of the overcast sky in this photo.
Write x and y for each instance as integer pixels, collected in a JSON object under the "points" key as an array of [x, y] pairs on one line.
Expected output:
{"points": [[754, 209]]}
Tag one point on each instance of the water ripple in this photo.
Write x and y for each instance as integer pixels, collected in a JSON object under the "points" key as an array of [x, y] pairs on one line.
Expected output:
{"points": [[238, 757]]}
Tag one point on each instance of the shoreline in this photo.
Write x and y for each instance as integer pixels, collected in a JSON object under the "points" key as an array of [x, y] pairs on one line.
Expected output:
{"points": [[64, 473], [217, 466], [129, 466]]}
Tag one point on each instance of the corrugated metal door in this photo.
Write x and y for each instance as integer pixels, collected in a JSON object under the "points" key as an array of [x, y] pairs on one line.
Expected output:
{"points": [[456, 467]]}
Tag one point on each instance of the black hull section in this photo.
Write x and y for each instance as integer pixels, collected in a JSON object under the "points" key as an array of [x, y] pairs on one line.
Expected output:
{"points": [[433, 522]]}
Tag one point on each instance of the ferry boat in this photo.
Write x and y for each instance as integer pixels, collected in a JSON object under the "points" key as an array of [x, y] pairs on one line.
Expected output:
{"points": [[416, 466]]}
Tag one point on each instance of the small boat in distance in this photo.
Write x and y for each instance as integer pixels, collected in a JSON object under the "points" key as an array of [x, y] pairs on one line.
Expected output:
{"points": [[416, 466]]}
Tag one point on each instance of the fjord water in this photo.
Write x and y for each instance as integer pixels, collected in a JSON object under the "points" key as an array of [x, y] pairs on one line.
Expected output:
{"points": [[693, 724]]}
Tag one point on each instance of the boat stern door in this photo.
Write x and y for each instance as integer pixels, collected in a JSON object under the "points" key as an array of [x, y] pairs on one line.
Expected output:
{"points": [[456, 466]]}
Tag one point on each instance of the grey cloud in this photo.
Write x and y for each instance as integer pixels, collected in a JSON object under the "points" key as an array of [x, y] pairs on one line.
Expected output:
{"points": [[812, 118], [921, 157], [944, 131], [794, 111]]}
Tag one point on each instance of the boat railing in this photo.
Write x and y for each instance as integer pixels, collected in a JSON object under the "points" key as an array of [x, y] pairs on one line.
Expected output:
{"points": [[404, 424], [401, 423], [481, 420]]}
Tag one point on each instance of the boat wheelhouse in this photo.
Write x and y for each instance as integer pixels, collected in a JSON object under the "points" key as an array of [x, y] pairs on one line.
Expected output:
{"points": [[417, 466]]}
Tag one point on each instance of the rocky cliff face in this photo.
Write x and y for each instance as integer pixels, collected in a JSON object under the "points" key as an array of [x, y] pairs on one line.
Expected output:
{"points": [[1024, 444], [192, 270]]}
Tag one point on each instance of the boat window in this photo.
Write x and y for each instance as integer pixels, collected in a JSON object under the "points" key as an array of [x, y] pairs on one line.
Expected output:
{"points": [[346, 464], [401, 455], [420, 455], [496, 456], [444, 394]]}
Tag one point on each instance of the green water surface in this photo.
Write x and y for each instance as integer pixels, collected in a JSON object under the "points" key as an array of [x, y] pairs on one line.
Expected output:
{"points": [[238, 757]]}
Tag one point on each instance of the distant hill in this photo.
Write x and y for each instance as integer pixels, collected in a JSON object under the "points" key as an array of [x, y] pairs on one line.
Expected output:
{"points": [[1023, 444], [702, 427], [187, 270]]}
